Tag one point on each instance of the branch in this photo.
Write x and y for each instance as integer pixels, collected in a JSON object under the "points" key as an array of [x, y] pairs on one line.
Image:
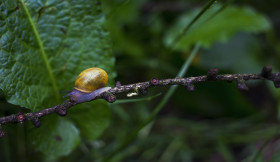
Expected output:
{"points": [[141, 88]]}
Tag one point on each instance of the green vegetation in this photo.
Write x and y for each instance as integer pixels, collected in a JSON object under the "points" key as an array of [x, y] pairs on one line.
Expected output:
{"points": [[46, 44]]}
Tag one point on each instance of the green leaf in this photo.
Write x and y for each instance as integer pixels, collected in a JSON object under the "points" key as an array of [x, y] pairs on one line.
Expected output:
{"points": [[45, 45], [210, 27], [242, 48], [91, 118], [56, 137]]}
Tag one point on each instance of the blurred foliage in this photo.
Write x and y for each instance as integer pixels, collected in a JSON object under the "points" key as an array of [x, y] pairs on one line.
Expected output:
{"points": [[213, 27], [216, 122]]}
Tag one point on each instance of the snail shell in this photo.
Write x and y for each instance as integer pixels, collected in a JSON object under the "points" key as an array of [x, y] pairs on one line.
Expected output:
{"points": [[91, 79]]}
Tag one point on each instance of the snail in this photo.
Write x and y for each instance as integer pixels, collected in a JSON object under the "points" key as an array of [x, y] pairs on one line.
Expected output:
{"points": [[89, 84]]}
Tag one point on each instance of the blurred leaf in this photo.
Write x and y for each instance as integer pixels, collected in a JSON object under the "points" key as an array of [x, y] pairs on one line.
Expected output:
{"points": [[242, 48], [44, 46], [91, 118], [121, 14], [122, 9], [224, 150], [220, 27], [56, 137], [276, 156]]}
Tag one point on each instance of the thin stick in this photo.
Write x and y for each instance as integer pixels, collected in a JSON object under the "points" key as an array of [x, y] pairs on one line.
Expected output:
{"points": [[141, 88]]}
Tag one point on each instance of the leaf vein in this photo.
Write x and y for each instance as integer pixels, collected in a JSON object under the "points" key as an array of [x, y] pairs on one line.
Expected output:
{"points": [[42, 51]]}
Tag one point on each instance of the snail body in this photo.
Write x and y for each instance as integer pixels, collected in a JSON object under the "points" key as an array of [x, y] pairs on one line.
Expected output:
{"points": [[89, 84]]}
